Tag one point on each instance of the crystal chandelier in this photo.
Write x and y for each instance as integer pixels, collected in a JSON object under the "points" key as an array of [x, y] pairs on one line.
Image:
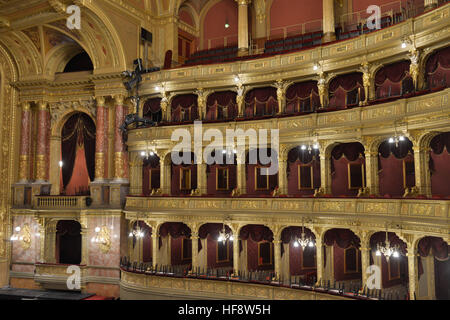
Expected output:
{"points": [[387, 249], [98, 238], [396, 138], [303, 241], [136, 232], [148, 152], [310, 146], [224, 236]]}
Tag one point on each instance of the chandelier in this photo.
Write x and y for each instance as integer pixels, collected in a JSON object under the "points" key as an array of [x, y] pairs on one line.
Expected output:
{"points": [[396, 138], [148, 152], [136, 232], [99, 237], [303, 241], [310, 146], [224, 236], [387, 249]]}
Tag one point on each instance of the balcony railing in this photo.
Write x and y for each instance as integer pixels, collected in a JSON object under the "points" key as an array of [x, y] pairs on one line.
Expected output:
{"points": [[62, 202]]}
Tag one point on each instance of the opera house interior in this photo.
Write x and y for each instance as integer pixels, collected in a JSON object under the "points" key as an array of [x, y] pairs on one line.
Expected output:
{"points": [[351, 103]]}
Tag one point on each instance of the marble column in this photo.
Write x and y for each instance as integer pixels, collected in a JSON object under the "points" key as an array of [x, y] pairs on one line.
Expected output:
{"points": [[372, 179], [101, 140], [120, 156], [42, 143], [422, 171], [243, 26], [24, 157], [328, 21]]}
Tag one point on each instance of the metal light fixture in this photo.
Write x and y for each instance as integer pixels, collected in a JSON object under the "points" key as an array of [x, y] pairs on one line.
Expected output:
{"points": [[303, 241], [311, 146], [148, 152], [396, 138], [136, 232], [224, 236], [387, 249]]}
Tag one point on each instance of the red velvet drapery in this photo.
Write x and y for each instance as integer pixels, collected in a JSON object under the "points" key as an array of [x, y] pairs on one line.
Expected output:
{"points": [[302, 97], [221, 105], [344, 238], [438, 247], [261, 102], [152, 109], [440, 164], [438, 69], [380, 237], [150, 165], [389, 79], [256, 232], [346, 90], [184, 108], [288, 234]]}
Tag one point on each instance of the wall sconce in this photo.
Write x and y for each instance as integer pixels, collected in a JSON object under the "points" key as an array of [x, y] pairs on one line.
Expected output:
{"points": [[60, 163], [102, 238], [227, 25], [23, 235]]}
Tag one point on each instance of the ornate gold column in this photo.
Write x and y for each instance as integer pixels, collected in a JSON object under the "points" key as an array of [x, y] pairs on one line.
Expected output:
{"points": [[194, 239], [412, 273], [328, 21], [243, 26], [120, 156], [319, 258], [372, 179], [422, 170], [282, 171], [430, 4], [322, 88], [236, 264], [240, 100], [24, 158], [325, 171], [42, 142], [165, 161], [365, 255], [277, 256], [201, 103], [136, 179], [202, 182], [241, 181], [101, 145], [155, 248], [281, 95]]}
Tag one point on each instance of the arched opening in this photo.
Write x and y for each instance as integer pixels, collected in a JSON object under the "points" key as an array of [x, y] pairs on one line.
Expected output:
{"points": [[80, 62], [152, 109], [221, 172], [298, 254], [260, 102], [175, 245], [184, 108], [346, 91], [221, 106], [440, 165], [302, 97], [394, 268], [434, 269], [395, 167], [393, 81], [140, 242], [184, 173], [348, 172], [303, 170], [68, 242], [256, 250], [342, 259], [77, 154], [187, 42], [151, 174], [437, 69], [220, 25], [215, 253], [260, 180]]}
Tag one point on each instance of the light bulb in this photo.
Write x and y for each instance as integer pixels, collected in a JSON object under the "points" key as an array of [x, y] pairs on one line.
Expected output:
{"points": [[311, 244], [60, 163], [130, 234], [236, 79], [143, 154], [224, 151], [17, 229], [401, 138], [316, 146], [391, 140], [378, 253], [234, 151], [315, 67], [157, 88], [152, 153], [403, 45], [295, 244], [231, 238], [227, 25], [303, 147], [97, 229], [395, 254]]}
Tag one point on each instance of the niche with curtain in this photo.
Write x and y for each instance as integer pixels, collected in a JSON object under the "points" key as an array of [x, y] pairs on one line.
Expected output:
{"points": [[346, 91], [184, 108], [440, 165], [78, 154], [221, 106], [437, 248], [346, 254], [259, 182], [393, 81], [347, 169], [219, 253], [180, 242], [259, 244], [222, 176], [261, 102], [302, 97], [394, 272], [395, 168], [151, 174], [184, 176], [301, 261], [303, 171], [437, 69], [152, 110], [68, 242]]}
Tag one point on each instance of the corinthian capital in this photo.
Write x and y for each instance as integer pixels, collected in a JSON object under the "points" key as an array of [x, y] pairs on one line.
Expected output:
{"points": [[243, 2]]}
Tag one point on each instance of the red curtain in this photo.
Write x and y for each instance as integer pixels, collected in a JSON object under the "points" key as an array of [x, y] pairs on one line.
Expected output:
{"points": [[351, 151], [175, 229], [344, 238], [257, 233], [389, 79], [212, 229], [260, 102], [221, 105], [438, 69], [302, 97], [404, 147], [438, 247], [346, 90], [440, 142], [184, 108], [288, 234], [78, 131]]}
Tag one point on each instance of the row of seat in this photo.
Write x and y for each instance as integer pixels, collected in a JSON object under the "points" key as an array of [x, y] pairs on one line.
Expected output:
{"points": [[212, 55]]}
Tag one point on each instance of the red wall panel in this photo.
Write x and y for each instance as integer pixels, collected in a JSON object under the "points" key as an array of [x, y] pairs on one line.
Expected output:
{"points": [[214, 23], [440, 178]]}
